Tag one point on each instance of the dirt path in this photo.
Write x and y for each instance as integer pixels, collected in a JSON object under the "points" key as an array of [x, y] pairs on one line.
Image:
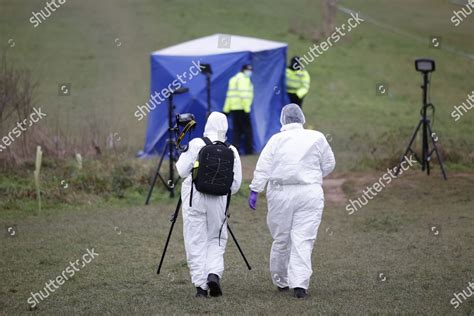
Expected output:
{"points": [[333, 193]]}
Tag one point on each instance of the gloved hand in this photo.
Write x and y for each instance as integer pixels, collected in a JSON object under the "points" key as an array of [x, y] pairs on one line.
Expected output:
{"points": [[253, 200]]}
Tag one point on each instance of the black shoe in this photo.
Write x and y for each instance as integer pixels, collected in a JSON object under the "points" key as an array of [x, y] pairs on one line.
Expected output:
{"points": [[283, 289], [201, 293], [214, 285], [300, 292]]}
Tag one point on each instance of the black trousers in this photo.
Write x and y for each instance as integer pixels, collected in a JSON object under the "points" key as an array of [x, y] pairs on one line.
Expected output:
{"points": [[242, 127], [294, 99]]}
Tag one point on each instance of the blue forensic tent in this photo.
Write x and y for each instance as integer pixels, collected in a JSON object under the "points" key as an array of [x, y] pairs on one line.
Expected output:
{"points": [[226, 54]]}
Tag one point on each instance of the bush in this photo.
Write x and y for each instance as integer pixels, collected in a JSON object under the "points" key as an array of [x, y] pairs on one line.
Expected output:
{"points": [[105, 178]]}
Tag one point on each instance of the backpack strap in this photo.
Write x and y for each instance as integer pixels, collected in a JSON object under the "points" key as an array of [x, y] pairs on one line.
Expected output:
{"points": [[207, 141], [229, 195], [191, 194], [228, 146]]}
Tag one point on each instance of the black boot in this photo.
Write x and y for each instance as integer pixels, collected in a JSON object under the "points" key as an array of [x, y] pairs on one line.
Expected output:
{"points": [[283, 289], [300, 292], [214, 285], [201, 293]]}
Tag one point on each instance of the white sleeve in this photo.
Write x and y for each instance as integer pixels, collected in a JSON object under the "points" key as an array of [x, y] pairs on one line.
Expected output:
{"points": [[328, 162], [237, 172], [263, 170], [186, 160]]}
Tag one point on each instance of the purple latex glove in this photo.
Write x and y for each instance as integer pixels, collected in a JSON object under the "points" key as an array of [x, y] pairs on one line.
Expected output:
{"points": [[253, 200]]}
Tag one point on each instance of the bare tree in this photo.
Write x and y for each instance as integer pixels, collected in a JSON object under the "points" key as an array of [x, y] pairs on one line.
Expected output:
{"points": [[16, 99], [329, 16], [17, 90]]}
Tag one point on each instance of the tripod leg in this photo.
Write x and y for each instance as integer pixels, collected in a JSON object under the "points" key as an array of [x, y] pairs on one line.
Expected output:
{"points": [[152, 185], [173, 221], [171, 170], [427, 166], [437, 153], [408, 147], [238, 246], [155, 177], [425, 151]]}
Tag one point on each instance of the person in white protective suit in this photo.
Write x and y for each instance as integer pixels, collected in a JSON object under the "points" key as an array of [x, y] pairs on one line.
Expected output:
{"points": [[203, 221], [293, 163]]}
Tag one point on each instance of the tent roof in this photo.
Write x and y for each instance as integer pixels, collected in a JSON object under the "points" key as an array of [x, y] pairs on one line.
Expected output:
{"points": [[219, 44]]}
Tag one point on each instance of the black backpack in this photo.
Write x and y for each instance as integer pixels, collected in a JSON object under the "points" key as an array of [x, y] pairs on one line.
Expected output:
{"points": [[213, 172]]}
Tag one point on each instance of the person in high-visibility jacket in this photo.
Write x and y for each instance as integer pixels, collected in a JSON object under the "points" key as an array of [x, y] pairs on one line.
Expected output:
{"points": [[297, 82], [238, 104]]}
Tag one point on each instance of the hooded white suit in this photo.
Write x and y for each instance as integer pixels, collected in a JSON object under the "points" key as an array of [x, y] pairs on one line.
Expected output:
{"points": [[202, 221], [293, 163]]}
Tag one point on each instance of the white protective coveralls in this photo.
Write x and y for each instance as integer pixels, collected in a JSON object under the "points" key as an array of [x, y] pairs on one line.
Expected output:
{"points": [[293, 163], [203, 221]]}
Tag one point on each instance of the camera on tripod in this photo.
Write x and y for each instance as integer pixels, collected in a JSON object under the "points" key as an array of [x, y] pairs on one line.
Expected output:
{"points": [[184, 119], [187, 122], [178, 126]]}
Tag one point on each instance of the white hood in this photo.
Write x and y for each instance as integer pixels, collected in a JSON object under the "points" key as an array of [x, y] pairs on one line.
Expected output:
{"points": [[216, 127]]}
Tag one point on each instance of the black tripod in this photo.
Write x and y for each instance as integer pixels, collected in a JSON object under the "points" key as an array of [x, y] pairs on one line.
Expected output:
{"points": [[425, 125], [170, 148], [173, 221], [207, 71]]}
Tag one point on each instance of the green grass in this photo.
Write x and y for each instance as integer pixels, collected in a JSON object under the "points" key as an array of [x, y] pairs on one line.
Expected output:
{"points": [[77, 45], [107, 180], [390, 235]]}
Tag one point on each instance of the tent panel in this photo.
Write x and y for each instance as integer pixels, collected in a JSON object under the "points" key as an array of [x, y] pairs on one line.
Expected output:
{"points": [[220, 44], [269, 92]]}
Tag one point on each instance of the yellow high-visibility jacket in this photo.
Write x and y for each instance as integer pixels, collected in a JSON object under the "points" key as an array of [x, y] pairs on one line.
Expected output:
{"points": [[297, 82], [239, 95]]}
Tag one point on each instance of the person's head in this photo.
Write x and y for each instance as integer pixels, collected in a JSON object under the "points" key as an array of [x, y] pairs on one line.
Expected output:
{"points": [[216, 127], [247, 70], [291, 113], [295, 63]]}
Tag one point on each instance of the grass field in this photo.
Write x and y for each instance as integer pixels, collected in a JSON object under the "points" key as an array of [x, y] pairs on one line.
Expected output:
{"points": [[102, 49], [390, 235]]}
